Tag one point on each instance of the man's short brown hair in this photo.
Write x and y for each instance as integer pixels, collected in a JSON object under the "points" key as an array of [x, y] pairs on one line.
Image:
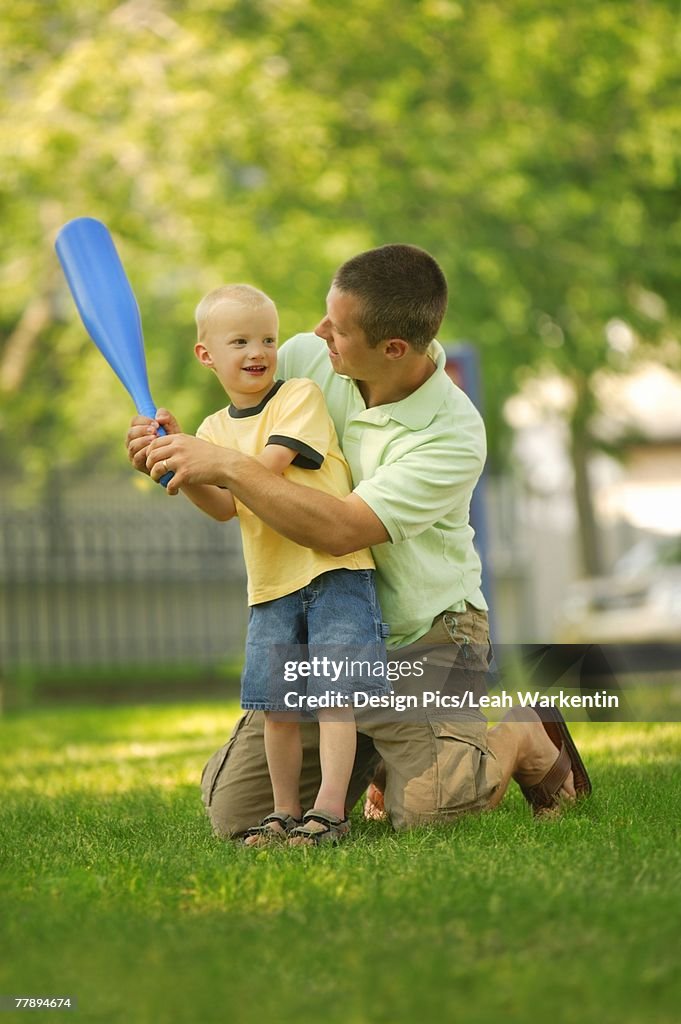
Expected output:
{"points": [[403, 293]]}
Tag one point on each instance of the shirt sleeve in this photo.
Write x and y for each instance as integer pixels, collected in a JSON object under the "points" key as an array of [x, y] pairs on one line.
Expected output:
{"points": [[205, 432], [301, 422], [420, 488]]}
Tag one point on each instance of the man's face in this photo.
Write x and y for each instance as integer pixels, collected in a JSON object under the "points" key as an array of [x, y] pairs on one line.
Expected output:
{"points": [[349, 351], [240, 344]]}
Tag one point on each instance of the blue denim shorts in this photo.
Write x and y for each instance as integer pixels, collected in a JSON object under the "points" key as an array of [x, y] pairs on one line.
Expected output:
{"points": [[335, 617]]}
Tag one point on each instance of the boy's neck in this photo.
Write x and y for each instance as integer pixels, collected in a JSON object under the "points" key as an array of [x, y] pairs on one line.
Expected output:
{"points": [[249, 401]]}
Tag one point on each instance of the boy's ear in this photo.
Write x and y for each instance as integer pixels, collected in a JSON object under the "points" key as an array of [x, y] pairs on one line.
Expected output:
{"points": [[202, 354]]}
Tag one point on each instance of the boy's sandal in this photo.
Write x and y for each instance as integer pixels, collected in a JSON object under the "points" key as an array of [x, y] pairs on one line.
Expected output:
{"points": [[319, 827], [275, 828]]}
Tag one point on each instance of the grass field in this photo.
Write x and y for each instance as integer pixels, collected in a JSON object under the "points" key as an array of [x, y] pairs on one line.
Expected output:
{"points": [[113, 891]]}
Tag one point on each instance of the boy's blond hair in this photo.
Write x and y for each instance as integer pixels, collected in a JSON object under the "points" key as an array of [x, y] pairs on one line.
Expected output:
{"points": [[245, 294]]}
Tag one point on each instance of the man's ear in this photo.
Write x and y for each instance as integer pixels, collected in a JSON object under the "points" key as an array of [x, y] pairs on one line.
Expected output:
{"points": [[396, 348], [202, 354]]}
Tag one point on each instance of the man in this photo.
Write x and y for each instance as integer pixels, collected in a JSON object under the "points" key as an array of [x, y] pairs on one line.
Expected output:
{"points": [[416, 447]]}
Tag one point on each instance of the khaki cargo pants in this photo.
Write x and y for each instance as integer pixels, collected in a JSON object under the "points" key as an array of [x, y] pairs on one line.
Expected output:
{"points": [[437, 764]]}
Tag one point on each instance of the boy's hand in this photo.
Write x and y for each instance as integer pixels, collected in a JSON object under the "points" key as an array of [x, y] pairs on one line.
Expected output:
{"points": [[143, 431]]}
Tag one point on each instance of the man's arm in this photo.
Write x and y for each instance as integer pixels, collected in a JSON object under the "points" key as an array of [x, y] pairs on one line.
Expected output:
{"points": [[306, 516], [213, 500]]}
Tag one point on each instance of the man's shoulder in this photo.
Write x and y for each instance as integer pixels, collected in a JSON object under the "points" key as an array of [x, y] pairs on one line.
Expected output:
{"points": [[459, 405], [443, 427], [459, 425], [306, 340], [304, 355], [452, 403]]}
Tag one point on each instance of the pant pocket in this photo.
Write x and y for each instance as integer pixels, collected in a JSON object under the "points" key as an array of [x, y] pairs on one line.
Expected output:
{"points": [[469, 631], [459, 752]]}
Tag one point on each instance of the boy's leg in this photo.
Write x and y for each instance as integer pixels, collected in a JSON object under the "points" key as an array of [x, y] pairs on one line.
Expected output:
{"points": [[284, 752], [337, 749], [345, 628], [284, 760], [236, 787]]}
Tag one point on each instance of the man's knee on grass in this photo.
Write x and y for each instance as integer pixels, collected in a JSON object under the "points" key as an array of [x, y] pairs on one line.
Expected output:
{"points": [[230, 826], [457, 774]]}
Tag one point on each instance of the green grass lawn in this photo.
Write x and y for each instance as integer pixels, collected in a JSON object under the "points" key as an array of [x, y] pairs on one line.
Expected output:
{"points": [[114, 891]]}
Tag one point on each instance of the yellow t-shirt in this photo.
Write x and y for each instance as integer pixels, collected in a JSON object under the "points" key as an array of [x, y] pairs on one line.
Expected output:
{"points": [[294, 415]]}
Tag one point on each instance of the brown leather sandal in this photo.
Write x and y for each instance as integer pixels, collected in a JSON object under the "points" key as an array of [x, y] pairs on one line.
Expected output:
{"points": [[543, 796]]}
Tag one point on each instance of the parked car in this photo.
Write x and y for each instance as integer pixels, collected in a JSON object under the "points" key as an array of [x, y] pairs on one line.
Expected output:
{"points": [[640, 603]]}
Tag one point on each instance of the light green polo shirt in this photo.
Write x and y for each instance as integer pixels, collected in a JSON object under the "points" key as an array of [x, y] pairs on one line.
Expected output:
{"points": [[415, 463]]}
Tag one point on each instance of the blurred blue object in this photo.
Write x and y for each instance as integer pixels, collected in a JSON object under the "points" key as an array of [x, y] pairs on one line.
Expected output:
{"points": [[463, 366]]}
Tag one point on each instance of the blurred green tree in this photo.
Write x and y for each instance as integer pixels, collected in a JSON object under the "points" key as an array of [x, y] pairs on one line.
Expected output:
{"points": [[533, 148]]}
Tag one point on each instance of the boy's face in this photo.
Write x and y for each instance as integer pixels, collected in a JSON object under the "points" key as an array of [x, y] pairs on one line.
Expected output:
{"points": [[240, 343]]}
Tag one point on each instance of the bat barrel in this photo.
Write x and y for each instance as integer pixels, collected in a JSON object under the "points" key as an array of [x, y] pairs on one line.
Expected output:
{"points": [[107, 305]]}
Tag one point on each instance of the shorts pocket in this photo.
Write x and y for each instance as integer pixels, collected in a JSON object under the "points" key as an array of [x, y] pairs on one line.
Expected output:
{"points": [[459, 750]]}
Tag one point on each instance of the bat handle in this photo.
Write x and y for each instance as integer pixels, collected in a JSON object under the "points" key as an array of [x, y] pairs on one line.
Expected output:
{"points": [[145, 407], [167, 477]]}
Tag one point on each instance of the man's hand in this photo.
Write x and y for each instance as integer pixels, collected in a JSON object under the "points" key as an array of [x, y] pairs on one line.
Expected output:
{"points": [[143, 431], [192, 460]]}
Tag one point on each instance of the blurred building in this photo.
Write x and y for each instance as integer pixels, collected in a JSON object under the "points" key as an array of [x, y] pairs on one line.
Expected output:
{"points": [[637, 497]]}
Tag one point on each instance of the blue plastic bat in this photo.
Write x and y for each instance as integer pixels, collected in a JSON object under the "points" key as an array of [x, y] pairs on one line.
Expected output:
{"points": [[107, 306]]}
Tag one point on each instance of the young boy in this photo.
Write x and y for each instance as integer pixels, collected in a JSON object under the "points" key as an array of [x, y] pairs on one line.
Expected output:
{"points": [[298, 596]]}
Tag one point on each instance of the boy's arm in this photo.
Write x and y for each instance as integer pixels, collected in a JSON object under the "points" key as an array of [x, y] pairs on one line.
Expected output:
{"points": [[216, 502], [308, 517], [276, 458]]}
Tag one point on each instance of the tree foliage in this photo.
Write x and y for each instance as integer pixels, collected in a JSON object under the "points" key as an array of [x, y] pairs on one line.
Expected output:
{"points": [[532, 147]]}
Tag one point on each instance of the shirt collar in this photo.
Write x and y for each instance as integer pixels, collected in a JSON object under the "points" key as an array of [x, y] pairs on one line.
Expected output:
{"points": [[420, 408], [417, 410], [254, 410]]}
